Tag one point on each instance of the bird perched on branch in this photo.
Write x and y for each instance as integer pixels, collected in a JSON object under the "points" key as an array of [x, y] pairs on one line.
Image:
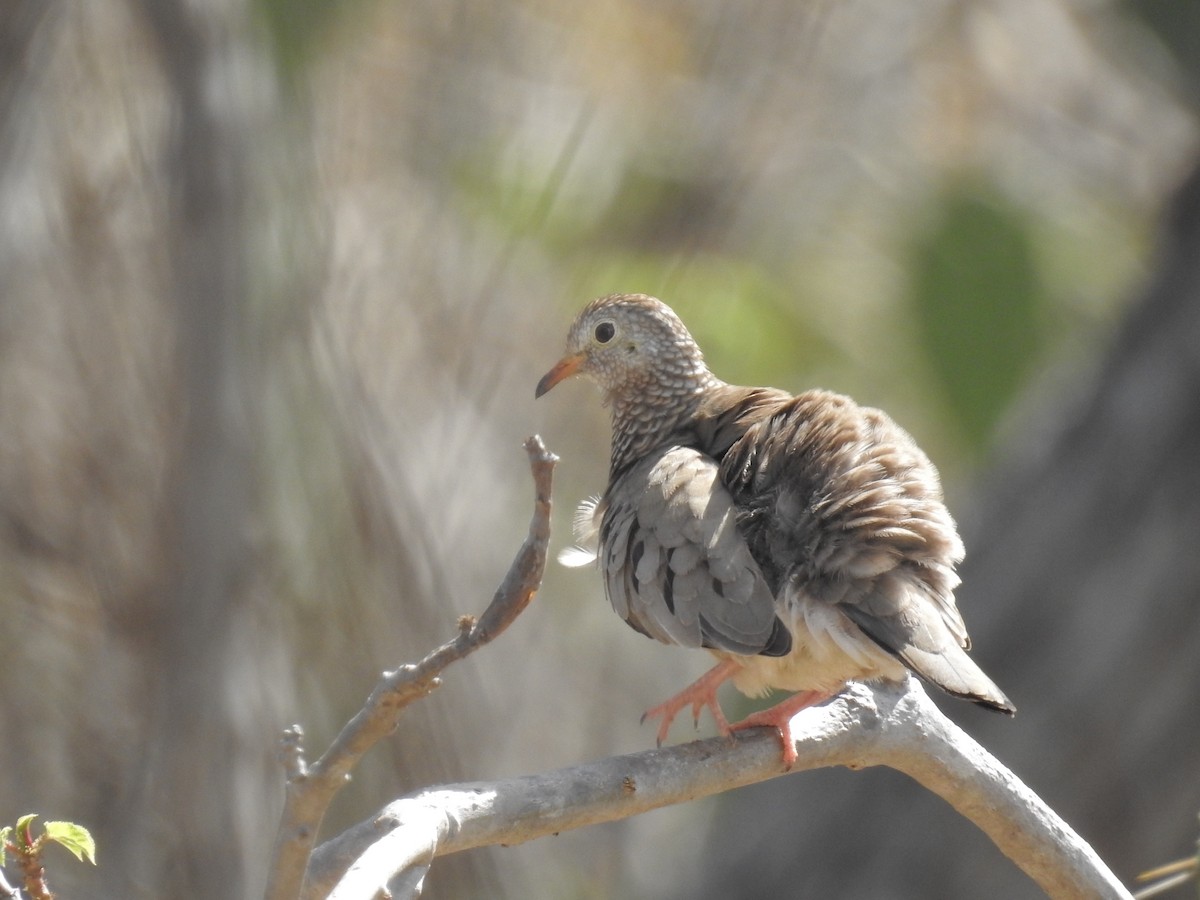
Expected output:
{"points": [[801, 539]]}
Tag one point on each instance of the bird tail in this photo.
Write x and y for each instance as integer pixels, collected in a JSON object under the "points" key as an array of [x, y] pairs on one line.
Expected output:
{"points": [[958, 675]]}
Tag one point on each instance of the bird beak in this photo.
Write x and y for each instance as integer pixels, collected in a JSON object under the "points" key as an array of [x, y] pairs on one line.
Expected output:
{"points": [[563, 369]]}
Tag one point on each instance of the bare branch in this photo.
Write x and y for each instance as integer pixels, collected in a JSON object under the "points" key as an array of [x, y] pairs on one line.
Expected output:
{"points": [[310, 790], [892, 725]]}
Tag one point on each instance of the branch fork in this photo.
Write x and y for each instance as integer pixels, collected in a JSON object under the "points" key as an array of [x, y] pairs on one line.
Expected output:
{"points": [[310, 789], [892, 724]]}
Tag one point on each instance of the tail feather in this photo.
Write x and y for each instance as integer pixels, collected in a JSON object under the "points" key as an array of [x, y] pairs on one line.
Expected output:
{"points": [[956, 674]]}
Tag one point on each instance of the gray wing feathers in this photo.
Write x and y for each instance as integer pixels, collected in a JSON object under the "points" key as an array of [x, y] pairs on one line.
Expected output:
{"points": [[675, 565], [901, 614], [929, 653]]}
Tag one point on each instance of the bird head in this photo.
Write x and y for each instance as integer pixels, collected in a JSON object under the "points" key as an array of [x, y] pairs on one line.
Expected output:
{"points": [[629, 343]]}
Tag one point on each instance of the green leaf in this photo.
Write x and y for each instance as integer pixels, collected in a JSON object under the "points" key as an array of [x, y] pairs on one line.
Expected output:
{"points": [[75, 838], [23, 827], [5, 836], [978, 300]]}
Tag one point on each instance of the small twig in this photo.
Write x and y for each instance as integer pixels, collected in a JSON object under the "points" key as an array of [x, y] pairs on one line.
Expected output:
{"points": [[310, 789], [893, 725], [1169, 876]]}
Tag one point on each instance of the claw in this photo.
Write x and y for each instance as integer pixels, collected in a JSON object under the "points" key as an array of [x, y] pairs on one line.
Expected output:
{"points": [[779, 717], [699, 694]]}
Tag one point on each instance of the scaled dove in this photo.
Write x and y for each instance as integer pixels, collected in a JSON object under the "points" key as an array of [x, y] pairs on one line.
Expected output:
{"points": [[802, 540]]}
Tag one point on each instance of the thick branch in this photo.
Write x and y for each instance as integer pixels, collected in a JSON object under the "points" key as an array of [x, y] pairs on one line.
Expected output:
{"points": [[310, 790], [893, 725]]}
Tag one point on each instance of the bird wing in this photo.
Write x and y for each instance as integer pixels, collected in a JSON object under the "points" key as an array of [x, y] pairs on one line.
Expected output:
{"points": [[675, 565], [838, 504]]}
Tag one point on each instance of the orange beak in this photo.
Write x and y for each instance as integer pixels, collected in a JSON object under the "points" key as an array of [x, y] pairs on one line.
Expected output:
{"points": [[563, 369]]}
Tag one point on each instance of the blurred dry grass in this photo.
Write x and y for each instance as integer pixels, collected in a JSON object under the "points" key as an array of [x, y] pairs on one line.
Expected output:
{"points": [[430, 190]]}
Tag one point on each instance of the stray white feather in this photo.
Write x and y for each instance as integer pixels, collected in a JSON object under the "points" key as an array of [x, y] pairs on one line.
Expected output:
{"points": [[586, 527], [574, 557]]}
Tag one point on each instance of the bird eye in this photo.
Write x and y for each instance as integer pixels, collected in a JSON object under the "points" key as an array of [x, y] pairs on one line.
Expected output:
{"points": [[604, 332]]}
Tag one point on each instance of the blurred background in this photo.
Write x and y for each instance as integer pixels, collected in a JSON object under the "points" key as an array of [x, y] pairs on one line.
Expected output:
{"points": [[277, 279]]}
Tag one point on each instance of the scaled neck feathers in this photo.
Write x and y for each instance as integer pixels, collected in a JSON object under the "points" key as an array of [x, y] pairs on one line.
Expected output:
{"points": [[656, 415], [712, 419]]}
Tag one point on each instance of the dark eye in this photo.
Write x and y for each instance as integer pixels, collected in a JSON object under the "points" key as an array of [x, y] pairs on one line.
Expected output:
{"points": [[605, 332]]}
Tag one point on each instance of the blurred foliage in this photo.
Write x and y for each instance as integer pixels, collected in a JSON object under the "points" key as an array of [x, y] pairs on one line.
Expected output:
{"points": [[806, 280], [745, 319], [977, 298], [300, 30], [648, 235], [1177, 24]]}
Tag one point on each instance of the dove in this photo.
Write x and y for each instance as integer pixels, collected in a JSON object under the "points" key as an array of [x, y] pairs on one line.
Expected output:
{"points": [[802, 540]]}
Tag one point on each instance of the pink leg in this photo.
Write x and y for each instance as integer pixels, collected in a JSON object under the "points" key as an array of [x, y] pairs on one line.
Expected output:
{"points": [[700, 693], [779, 717]]}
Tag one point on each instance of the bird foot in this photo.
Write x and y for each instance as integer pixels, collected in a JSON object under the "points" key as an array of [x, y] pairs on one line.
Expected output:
{"points": [[700, 693], [779, 717]]}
